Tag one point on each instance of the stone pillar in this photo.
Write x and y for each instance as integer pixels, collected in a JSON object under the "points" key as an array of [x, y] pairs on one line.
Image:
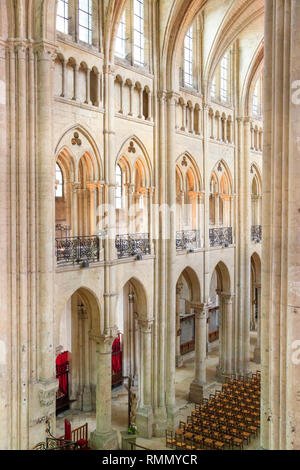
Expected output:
{"points": [[76, 83], [149, 118], [104, 437], [225, 367], [257, 351], [144, 415], [88, 86], [179, 287], [63, 66], [246, 236], [130, 100], [196, 387], [45, 233], [75, 188], [280, 417], [86, 392], [170, 262], [140, 115]]}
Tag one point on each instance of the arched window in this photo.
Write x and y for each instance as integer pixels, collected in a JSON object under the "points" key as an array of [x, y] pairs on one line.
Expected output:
{"points": [[188, 58], [120, 39], [224, 77], [62, 17], [138, 36], [257, 98], [85, 20], [213, 91], [59, 182], [118, 187]]}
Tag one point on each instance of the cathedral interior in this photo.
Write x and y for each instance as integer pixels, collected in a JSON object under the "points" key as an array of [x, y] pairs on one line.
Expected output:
{"points": [[149, 213]]}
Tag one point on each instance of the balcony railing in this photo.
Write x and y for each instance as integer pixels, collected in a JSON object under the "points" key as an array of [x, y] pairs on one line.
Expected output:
{"points": [[75, 250], [188, 239], [256, 233], [220, 236], [132, 244]]}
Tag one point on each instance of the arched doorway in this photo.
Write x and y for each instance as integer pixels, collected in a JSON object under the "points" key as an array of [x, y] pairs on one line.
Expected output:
{"points": [[187, 297], [223, 299], [78, 322], [135, 328], [255, 323]]}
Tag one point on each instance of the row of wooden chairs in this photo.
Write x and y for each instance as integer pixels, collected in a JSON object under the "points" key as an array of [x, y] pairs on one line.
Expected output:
{"points": [[229, 418]]}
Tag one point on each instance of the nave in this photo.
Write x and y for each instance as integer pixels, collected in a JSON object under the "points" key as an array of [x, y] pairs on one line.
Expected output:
{"points": [[184, 376]]}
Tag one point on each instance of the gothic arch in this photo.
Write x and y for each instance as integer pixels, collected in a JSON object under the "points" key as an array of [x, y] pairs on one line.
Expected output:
{"points": [[223, 277], [90, 148], [255, 68], [132, 156], [186, 161], [141, 294], [192, 280], [92, 302]]}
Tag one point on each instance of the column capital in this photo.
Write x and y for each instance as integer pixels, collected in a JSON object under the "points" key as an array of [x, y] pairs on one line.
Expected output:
{"points": [[201, 309], [227, 297], [145, 325], [104, 341], [45, 50], [172, 97]]}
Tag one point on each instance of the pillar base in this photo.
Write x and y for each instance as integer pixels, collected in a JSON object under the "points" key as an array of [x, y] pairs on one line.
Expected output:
{"points": [[196, 392], [171, 417], [104, 441], [87, 399], [144, 421], [257, 355], [160, 422], [221, 374], [179, 361]]}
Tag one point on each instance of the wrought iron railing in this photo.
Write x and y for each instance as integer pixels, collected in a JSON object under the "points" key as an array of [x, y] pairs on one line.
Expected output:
{"points": [[256, 233], [74, 250], [188, 239], [221, 236], [132, 244], [54, 443]]}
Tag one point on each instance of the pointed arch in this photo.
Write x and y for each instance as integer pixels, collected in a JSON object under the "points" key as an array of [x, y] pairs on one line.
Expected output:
{"points": [[88, 145], [192, 280], [132, 154], [223, 277]]}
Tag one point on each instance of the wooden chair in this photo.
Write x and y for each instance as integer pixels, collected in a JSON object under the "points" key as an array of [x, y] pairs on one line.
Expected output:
{"points": [[179, 442], [170, 439], [189, 443]]}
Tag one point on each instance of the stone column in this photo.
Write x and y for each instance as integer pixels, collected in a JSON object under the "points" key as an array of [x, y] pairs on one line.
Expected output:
{"points": [[225, 367], [63, 66], [183, 117], [76, 83], [196, 387], [280, 417], [246, 236], [149, 118], [179, 287], [140, 115], [75, 187], [104, 437], [257, 351], [170, 262], [144, 416], [86, 392], [88, 86], [130, 100]]}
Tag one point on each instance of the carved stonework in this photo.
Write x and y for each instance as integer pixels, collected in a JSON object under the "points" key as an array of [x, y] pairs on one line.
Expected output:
{"points": [[47, 397]]}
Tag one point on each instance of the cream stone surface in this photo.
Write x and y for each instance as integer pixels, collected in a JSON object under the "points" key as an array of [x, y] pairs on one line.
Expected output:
{"points": [[205, 280]]}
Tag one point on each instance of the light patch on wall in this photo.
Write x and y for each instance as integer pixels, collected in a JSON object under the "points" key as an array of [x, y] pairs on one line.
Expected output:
{"points": [[2, 352], [2, 92]]}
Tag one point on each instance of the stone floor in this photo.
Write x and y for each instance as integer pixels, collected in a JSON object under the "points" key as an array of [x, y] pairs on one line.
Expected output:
{"points": [[184, 376]]}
